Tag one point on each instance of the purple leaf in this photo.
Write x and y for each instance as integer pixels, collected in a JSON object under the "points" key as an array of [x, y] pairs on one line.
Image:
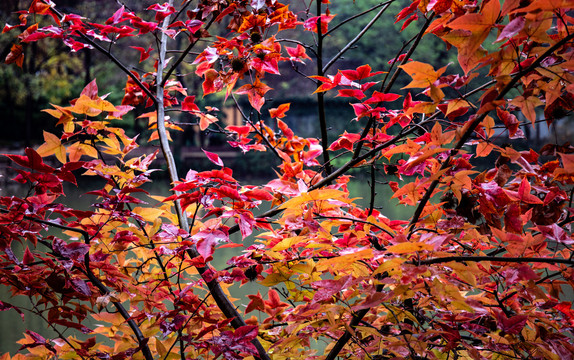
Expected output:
{"points": [[72, 251], [511, 325], [512, 28]]}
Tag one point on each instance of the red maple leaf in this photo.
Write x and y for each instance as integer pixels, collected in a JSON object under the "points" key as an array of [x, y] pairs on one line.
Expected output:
{"points": [[297, 53], [31, 160], [362, 72], [144, 54], [188, 104]]}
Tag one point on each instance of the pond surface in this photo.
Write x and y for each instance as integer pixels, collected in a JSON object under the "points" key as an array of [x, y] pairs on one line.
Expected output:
{"points": [[12, 327]]}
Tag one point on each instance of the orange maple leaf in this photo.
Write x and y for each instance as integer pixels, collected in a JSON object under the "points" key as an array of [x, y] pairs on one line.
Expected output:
{"points": [[255, 92], [527, 105], [470, 31], [52, 145], [280, 111], [566, 172], [16, 55], [423, 74]]}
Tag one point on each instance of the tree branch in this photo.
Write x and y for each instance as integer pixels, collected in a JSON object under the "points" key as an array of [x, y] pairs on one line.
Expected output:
{"points": [[219, 296], [351, 18], [335, 174], [113, 59], [357, 38], [387, 88], [321, 95], [184, 54], [524, 260]]}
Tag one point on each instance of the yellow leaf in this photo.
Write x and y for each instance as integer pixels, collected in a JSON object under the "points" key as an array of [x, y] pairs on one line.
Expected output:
{"points": [[410, 193], [455, 105], [462, 177], [510, 153], [115, 319], [161, 350], [345, 261], [55, 113], [408, 247], [147, 213], [391, 266], [410, 147], [287, 243], [320, 194], [85, 105], [488, 124], [155, 136], [157, 198], [424, 107], [69, 126], [368, 330], [436, 94], [304, 267], [113, 146], [173, 126], [527, 106], [52, 145], [461, 305], [465, 271], [77, 149], [152, 117], [423, 74], [275, 278], [483, 149], [64, 116]]}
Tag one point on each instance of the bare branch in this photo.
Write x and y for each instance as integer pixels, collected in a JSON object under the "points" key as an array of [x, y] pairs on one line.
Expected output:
{"points": [[351, 18], [357, 38], [522, 260]]}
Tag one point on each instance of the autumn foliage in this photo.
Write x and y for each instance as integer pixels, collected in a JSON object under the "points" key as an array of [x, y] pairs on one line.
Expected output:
{"points": [[482, 269]]}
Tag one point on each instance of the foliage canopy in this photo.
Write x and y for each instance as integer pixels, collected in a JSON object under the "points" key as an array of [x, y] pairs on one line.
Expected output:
{"points": [[481, 270]]}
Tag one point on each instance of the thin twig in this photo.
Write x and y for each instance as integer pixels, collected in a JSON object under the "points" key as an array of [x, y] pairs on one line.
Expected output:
{"points": [[321, 96], [114, 60], [389, 86], [357, 38], [471, 258], [183, 55], [351, 18]]}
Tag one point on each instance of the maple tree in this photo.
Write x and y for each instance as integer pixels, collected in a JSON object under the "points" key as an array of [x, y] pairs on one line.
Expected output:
{"points": [[482, 268]]}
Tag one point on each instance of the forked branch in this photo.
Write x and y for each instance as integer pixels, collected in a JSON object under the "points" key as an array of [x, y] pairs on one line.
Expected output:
{"points": [[219, 296]]}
